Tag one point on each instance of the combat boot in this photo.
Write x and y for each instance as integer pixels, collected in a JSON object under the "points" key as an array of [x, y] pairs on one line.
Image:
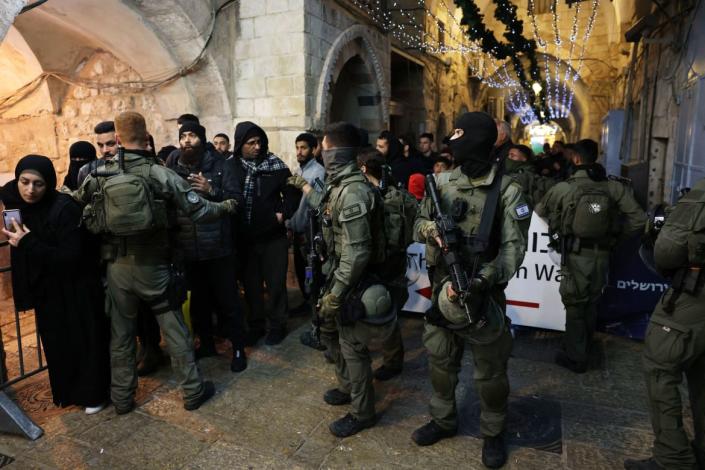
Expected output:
{"points": [[239, 362], [308, 338], [430, 433], [494, 452], [335, 397], [349, 425], [384, 373], [646, 464], [208, 392], [124, 409]]}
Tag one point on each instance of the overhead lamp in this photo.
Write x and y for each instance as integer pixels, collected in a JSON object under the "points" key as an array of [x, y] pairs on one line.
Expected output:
{"points": [[536, 86]]}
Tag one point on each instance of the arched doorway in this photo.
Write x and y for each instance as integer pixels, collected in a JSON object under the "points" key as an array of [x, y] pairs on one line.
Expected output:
{"points": [[355, 97]]}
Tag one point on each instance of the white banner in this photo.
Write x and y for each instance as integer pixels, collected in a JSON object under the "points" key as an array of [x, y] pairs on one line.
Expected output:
{"points": [[532, 295]]}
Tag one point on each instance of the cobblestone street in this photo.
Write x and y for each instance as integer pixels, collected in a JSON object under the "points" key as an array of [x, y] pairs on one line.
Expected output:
{"points": [[273, 416]]}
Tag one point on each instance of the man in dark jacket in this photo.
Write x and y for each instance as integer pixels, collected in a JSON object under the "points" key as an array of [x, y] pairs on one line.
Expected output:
{"points": [[261, 232], [207, 247], [402, 167]]}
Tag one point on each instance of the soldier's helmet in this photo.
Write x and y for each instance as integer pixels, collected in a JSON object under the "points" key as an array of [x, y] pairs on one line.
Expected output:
{"points": [[451, 311], [379, 307]]}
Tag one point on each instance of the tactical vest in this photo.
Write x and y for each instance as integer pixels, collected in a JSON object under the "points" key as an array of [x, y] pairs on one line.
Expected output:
{"points": [[400, 210], [589, 212], [332, 213], [465, 204], [125, 204], [688, 217]]}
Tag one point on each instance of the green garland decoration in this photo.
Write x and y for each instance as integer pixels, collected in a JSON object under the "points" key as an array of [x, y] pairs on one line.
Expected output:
{"points": [[505, 12]]}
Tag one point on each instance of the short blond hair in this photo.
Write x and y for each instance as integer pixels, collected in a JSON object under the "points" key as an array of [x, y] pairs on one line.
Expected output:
{"points": [[131, 127]]}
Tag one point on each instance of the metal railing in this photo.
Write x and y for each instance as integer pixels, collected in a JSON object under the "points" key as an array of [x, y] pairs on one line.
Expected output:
{"points": [[12, 418]]}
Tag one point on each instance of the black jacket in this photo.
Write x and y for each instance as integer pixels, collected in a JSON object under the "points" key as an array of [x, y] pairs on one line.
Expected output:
{"points": [[204, 241], [271, 193]]}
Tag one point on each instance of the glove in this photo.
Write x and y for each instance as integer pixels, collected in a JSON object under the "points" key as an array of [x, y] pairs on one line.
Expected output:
{"points": [[329, 306], [478, 285], [430, 232], [230, 206], [297, 181]]}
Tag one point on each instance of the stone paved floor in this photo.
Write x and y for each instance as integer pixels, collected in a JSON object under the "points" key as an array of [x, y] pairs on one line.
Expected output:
{"points": [[273, 416]]}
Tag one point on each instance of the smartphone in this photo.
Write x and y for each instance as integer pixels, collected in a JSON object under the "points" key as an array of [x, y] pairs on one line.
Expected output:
{"points": [[8, 216]]}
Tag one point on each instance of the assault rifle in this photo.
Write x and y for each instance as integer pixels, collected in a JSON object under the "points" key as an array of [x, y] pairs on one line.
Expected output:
{"points": [[448, 233], [314, 281]]}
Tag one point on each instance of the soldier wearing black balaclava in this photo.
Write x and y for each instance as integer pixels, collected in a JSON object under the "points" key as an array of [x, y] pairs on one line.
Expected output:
{"points": [[466, 196]]}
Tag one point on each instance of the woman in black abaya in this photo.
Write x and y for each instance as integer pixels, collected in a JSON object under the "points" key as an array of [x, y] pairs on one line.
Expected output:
{"points": [[55, 271]]}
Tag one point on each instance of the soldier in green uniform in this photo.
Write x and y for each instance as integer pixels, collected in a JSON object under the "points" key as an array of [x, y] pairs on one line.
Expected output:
{"points": [[675, 339], [129, 208], [352, 220], [400, 209], [519, 164], [590, 214], [473, 183]]}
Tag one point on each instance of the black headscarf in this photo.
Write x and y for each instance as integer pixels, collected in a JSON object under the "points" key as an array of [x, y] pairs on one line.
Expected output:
{"points": [[473, 151], [35, 216], [80, 153]]}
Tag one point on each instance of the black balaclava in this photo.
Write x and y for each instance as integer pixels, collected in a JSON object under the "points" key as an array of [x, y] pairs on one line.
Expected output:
{"points": [[472, 151], [80, 153], [336, 159]]}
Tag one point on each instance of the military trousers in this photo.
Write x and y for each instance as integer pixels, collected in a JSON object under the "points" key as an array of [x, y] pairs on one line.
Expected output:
{"points": [[583, 279], [445, 349], [128, 284], [674, 347], [354, 371]]}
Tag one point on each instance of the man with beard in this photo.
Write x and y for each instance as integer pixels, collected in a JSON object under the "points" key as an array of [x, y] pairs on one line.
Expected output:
{"points": [[402, 166], [310, 170], [207, 247], [221, 143], [261, 231], [107, 146], [492, 220]]}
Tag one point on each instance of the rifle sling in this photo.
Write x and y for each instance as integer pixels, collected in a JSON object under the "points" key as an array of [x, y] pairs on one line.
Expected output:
{"points": [[482, 239]]}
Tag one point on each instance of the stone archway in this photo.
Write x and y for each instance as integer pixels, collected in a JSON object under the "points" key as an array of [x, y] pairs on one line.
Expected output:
{"points": [[353, 53]]}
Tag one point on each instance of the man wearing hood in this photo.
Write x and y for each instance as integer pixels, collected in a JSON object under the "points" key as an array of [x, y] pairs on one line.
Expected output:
{"points": [[591, 215], [261, 231], [402, 166], [475, 187], [207, 247]]}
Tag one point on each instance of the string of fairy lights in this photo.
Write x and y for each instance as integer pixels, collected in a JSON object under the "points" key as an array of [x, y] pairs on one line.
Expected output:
{"points": [[556, 89], [560, 78]]}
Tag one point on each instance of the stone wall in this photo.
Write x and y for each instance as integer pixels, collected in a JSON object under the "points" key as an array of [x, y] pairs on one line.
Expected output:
{"points": [[81, 109]]}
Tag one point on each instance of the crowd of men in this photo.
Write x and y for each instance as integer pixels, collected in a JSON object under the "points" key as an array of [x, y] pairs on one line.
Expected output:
{"points": [[225, 214]]}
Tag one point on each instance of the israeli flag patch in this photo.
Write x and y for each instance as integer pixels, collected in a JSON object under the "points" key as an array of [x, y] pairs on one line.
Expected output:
{"points": [[522, 211]]}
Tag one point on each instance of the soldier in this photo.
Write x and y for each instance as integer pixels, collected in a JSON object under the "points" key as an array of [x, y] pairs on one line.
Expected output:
{"points": [[353, 220], [128, 205], [400, 209], [675, 339], [519, 164], [474, 188], [585, 212]]}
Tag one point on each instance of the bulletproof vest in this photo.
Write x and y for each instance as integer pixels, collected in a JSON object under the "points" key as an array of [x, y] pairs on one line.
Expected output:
{"points": [[400, 210], [332, 216], [465, 204], [686, 222], [125, 204], [589, 212]]}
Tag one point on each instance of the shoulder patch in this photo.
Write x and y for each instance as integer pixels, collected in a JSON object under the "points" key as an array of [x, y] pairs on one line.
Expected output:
{"points": [[522, 211], [353, 211], [192, 197]]}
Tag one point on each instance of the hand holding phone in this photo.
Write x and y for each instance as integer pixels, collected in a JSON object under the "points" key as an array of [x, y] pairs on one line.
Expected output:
{"points": [[10, 215]]}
